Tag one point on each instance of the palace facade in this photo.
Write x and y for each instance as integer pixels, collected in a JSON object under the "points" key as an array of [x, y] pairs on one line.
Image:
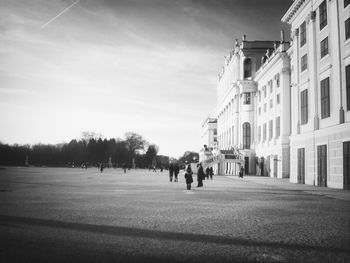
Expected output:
{"points": [[283, 108]]}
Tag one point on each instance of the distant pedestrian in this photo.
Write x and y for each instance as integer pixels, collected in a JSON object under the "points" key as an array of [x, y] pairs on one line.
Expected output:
{"points": [[171, 172], [154, 169], [188, 177], [211, 173], [207, 172], [200, 175], [176, 171], [101, 167], [124, 167], [241, 172]]}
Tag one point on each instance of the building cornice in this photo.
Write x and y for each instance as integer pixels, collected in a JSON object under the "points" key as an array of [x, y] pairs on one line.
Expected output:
{"points": [[293, 10]]}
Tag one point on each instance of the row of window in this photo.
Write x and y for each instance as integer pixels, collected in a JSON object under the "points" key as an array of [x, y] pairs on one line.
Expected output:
{"points": [[323, 51], [325, 102], [264, 132], [323, 22], [278, 101], [270, 86]]}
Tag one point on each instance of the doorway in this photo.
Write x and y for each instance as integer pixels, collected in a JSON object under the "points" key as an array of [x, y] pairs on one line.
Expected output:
{"points": [[322, 165], [301, 166], [346, 165]]}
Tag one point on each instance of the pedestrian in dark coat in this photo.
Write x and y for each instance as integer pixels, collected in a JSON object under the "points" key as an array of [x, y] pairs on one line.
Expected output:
{"points": [[241, 171], [171, 172], [188, 177], [207, 172], [176, 171], [200, 175], [211, 173]]}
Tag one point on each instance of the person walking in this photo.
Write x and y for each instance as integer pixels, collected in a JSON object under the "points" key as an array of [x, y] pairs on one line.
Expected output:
{"points": [[211, 173], [124, 167], [241, 172], [188, 177], [200, 175], [176, 171], [171, 172], [207, 172]]}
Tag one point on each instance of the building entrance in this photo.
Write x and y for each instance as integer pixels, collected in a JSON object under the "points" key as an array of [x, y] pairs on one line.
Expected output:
{"points": [[301, 166], [322, 165], [346, 165]]}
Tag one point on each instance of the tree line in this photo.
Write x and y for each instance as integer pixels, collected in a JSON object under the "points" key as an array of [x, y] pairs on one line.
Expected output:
{"points": [[91, 150]]}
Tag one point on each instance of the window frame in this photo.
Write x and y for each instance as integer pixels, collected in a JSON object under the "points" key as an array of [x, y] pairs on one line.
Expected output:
{"points": [[246, 135], [304, 107], [323, 14], [325, 98], [324, 47], [302, 34], [278, 126], [303, 63], [347, 29]]}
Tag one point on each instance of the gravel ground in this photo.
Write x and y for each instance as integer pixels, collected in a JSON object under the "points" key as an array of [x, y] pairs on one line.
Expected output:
{"points": [[76, 215]]}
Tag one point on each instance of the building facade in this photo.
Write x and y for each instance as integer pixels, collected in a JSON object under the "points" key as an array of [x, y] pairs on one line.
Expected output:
{"points": [[285, 108], [272, 113], [320, 120]]}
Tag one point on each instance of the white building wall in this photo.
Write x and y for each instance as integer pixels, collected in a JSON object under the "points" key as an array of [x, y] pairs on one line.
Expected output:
{"points": [[331, 131]]}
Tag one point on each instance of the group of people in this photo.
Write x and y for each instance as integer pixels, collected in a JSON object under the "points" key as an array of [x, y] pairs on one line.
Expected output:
{"points": [[174, 170], [201, 175]]}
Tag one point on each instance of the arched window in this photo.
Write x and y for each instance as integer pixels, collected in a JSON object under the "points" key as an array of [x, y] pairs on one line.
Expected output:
{"points": [[246, 135], [247, 68]]}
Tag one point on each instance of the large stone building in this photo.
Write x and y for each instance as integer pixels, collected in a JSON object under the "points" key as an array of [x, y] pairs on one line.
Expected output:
{"points": [[272, 113], [320, 59], [285, 110]]}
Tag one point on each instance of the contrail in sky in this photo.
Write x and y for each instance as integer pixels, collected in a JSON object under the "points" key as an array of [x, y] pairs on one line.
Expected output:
{"points": [[65, 10]]}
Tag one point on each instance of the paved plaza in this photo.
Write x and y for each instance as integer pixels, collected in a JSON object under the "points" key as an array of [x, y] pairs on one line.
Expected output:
{"points": [[76, 215]]}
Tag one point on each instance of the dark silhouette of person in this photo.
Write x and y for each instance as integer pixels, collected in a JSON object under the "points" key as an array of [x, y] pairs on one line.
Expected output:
{"points": [[211, 173], [176, 171], [188, 177], [124, 167], [207, 172], [171, 172], [241, 172], [200, 175]]}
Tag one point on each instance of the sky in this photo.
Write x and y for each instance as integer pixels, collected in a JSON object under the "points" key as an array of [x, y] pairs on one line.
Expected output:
{"points": [[114, 66]]}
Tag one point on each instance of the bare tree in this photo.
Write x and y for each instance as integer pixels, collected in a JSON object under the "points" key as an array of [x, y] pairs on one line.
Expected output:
{"points": [[133, 143]]}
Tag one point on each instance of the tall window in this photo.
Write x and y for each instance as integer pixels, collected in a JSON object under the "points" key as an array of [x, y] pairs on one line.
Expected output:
{"points": [[304, 106], [346, 3], [303, 62], [347, 28], [270, 86], [246, 98], [246, 135], [278, 99], [325, 98], [270, 129], [259, 133], [347, 76], [278, 80], [278, 129], [323, 14], [324, 47], [303, 34], [247, 68], [264, 132], [264, 91], [259, 95], [271, 103], [259, 110], [265, 107]]}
